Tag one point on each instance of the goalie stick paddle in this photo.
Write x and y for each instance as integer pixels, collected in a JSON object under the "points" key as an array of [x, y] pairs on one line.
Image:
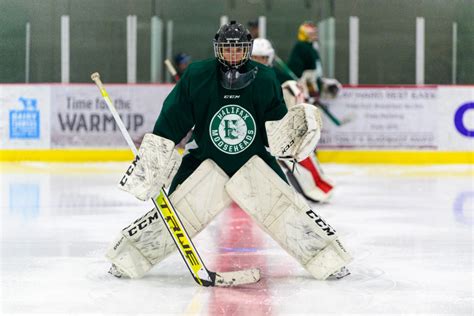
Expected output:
{"points": [[176, 228]]}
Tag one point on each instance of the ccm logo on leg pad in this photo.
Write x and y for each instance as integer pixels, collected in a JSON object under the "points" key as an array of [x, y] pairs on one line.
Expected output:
{"points": [[141, 223], [129, 171], [321, 223]]}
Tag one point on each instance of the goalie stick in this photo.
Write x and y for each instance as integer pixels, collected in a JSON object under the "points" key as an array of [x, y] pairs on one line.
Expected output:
{"points": [[316, 102], [176, 228]]}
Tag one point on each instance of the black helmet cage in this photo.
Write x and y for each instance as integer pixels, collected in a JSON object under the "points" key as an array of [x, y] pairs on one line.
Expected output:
{"points": [[233, 39]]}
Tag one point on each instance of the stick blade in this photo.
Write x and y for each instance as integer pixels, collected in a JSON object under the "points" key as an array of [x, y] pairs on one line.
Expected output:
{"points": [[236, 278]]}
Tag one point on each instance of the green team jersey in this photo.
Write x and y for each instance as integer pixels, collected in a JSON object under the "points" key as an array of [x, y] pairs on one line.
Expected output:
{"points": [[303, 57], [229, 125]]}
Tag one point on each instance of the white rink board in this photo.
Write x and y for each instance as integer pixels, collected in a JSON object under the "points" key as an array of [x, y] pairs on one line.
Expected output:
{"points": [[456, 118], [75, 115], [385, 118], [399, 118], [80, 117]]}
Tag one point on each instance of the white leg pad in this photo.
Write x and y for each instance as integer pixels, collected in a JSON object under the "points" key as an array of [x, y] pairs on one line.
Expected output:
{"points": [[286, 217], [329, 260], [127, 258], [198, 200]]}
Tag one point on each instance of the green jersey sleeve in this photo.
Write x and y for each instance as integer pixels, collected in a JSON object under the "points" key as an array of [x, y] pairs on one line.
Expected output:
{"points": [[276, 108], [273, 98], [176, 117]]}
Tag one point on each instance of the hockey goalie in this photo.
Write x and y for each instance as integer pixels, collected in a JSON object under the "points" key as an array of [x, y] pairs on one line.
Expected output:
{"points": [[236, 108]]}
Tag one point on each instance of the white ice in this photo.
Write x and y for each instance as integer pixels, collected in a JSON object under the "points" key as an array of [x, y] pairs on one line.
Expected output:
{"points": [[409, 228]]}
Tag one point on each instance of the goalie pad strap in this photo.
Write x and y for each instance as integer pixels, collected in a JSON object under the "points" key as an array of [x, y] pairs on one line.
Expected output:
{"points": [[286, 217], [198, 200], [308, 179]]}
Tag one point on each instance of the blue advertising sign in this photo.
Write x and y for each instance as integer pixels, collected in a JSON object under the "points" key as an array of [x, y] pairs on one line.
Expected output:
{"points": [[25, 123], [458, 119]]}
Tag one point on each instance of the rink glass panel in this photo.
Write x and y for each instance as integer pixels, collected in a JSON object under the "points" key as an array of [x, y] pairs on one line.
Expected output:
{"points": [[98, 35]]}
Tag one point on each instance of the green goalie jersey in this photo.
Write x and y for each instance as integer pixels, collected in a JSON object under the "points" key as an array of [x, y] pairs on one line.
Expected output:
{"points": [[229, 125]]}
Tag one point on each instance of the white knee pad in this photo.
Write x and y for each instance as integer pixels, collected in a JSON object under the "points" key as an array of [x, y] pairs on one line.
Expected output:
{"points": [[146, 241], [284, 214]]}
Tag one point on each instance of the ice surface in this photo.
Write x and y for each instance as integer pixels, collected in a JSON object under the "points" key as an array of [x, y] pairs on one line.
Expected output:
{"points": [[409, 228]]}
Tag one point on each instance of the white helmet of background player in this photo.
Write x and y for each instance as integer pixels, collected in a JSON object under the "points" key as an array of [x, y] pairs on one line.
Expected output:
{"points": [[263, 51]]}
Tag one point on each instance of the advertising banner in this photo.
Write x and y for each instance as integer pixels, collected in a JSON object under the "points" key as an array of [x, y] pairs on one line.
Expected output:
{"points": [[80, 117], [456, 118], [382, 118], [24, 116], [75, 116]]}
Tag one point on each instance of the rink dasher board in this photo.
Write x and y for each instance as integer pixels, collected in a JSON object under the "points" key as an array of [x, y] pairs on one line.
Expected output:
{"points": [[75, 116], [393, 124]]}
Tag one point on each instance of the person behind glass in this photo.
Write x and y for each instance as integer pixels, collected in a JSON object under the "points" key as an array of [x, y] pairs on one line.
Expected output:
{"points": [[305, 63], [181, 62], [253, 28]]}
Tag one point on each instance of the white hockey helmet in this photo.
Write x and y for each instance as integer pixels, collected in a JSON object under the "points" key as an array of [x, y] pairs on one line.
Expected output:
{"points": [[263, 47]]}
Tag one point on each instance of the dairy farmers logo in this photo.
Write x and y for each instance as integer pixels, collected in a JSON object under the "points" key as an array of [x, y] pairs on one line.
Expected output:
{"points": [[232, 129], [25, 123], [458, 119]]}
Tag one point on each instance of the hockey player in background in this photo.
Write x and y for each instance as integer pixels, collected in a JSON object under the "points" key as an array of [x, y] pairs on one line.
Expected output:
{"points": [[237, 109], [304, 55], [305, 63], [308, 178], [181, 62], [264, 53], [252, 27]]}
